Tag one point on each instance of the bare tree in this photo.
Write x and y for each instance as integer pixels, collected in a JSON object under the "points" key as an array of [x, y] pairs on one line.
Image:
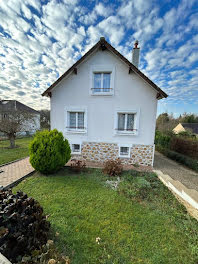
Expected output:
{"points": [[13, 122], [45, 119]]}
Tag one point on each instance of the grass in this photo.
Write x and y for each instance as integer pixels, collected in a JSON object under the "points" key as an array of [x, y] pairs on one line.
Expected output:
{"points": [[141, 222], [8, 155]]}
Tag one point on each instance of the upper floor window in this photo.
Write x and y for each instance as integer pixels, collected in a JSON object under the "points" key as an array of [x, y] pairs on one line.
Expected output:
{"points": [[75, 120], [102, 80], [127, 122]]}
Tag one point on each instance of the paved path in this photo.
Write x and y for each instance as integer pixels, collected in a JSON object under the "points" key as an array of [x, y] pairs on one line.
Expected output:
{"points": [[181, 181], [177, 172], [14, 171]]}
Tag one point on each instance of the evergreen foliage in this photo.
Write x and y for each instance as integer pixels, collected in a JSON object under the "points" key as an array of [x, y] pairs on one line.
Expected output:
{"points": [[49, 151]]}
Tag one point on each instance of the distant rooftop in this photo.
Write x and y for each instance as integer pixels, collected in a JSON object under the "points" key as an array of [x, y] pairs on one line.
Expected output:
{"points": [[9, 105], [192, 126]]}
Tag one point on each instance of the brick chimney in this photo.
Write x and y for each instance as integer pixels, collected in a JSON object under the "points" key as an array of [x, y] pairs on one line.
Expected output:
{"points": [[135, 54]]}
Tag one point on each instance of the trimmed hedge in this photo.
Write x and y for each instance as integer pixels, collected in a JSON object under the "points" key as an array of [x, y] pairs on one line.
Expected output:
{"points": [[49, 151], [184, 160], [188, 147]]}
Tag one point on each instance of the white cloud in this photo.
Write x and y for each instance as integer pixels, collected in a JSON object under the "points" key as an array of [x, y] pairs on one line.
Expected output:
{"points": [[26, 11], [103, 10], [66, 30]]}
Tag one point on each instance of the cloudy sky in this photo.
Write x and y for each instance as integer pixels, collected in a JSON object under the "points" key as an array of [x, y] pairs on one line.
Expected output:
{"points": [[39, 40]]}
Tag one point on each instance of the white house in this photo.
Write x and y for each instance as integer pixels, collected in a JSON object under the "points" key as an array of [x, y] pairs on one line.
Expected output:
{"points": [[7, 107], [106, 107]]}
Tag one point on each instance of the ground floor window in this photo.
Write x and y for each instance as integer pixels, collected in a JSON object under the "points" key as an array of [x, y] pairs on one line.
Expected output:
{"points": [[126, 122], [76, 120]]}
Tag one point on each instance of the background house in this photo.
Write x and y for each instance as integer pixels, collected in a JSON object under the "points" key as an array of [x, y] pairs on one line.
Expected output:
{"points": [[185, 127], [7, 107], [106, 107]]}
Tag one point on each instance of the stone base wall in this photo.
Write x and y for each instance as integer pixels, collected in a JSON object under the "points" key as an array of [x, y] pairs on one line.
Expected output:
{"points": [[141, 155], [100, 152]]}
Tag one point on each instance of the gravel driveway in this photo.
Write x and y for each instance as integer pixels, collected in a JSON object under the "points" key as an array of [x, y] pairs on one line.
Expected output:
{"points": [[177, 172]]}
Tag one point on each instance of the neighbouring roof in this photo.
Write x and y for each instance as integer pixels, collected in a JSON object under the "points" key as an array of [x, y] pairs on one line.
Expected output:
{"points": [[10, 105], [103, 44], [192, 126]]}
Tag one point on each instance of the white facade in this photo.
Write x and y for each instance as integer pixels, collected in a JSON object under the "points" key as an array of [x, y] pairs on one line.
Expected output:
{"points": [[129, 94]]}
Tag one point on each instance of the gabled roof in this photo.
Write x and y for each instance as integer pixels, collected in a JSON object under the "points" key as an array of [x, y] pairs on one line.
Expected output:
{"points": [[192, 126], [12, 105], [103, 44]]}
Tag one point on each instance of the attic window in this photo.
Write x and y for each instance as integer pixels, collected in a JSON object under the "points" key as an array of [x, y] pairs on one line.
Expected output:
{"points": [[102, 80]]}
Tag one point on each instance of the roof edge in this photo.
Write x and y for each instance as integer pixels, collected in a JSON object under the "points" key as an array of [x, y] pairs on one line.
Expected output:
{"points": [[105, 45]]}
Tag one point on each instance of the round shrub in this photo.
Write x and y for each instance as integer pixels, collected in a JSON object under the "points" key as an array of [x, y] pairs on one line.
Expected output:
{"points": [[49, 151], [23, 227], [113, 167]]}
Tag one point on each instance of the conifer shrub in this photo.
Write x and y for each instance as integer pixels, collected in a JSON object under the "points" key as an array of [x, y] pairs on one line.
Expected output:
{"points": [[49, 151], [23, 227]]}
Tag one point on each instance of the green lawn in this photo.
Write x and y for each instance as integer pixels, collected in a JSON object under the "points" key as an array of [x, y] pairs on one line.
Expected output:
{"points": [[7, 154], [141, 222]]}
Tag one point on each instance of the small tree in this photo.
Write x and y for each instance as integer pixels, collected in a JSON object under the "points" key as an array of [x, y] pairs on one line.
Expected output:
{"points": [[166, 122], [13, 122], [188, 118], [45, 119]]}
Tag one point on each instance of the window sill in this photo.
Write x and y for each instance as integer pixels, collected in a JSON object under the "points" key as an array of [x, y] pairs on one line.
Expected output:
{"points": [[76, 153], [76, 131], [126, 133], [102, 93], [124, 157]]}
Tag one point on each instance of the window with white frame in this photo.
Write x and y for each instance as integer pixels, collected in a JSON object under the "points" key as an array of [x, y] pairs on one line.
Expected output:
{"points": [[76, 120], [101, 82], [76, 148], [102, 79], [124, 152], [126, 122]]}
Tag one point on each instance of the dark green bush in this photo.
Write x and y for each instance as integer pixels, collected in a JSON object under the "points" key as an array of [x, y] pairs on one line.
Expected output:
{"points": [[184, 160], [23, 227], [186, 134], [49, 151], [162, 139]]}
